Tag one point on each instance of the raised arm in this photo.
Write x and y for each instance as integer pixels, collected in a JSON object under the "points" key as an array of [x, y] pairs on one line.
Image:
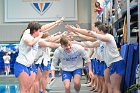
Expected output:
{"points": [[87, 44], [102, 37], [53, 38], [88, 38], [50, 26], [79, 30]]}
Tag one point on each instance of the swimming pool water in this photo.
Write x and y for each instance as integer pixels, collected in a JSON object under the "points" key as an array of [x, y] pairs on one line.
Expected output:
{"points": [[9, 88]]}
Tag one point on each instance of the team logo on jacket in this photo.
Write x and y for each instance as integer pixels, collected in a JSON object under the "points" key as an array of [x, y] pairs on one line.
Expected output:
{"points": [[41, 7]]}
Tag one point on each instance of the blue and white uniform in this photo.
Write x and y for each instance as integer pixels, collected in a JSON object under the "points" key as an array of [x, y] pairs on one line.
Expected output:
{"points": [[112, 57], [47, 58], [97, 61], [26, 55], [101, 59], [93, 59], [72, 62], [42, 59], [6, 59], [38, 61]]}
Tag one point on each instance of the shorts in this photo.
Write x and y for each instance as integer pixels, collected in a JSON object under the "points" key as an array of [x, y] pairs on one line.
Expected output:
{"points": [[96, 67], [6, 64], [69, 74], [102, 67], [118, 67], [86, 67], [48, 67], [35, 67], [18, 68], [93, 64]]}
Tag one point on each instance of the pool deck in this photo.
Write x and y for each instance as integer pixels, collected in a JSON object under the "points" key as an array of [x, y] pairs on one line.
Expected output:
{"points": [[8, 79], [56, 87]]}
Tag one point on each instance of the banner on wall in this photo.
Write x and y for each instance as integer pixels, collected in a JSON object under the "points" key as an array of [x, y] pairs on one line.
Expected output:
{"points": [[40, 10]]}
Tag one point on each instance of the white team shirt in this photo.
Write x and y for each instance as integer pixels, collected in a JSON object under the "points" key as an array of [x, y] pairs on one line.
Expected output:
{"points": [[6, 59], [101, 51], [95, 54], [43, 54], [39, 56], [70, 61]]}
